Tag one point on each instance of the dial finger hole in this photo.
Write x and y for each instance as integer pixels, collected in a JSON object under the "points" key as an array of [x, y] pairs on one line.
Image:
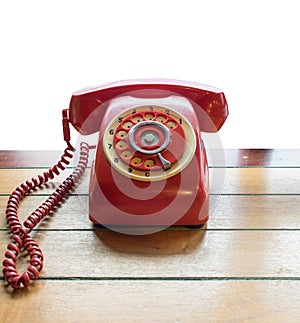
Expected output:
{"points": [[122, 134], [127, 125], [121, 144], [136, 161], [126, 154], [171, 124], [161, 118], [149, 163], [149, 116], [137, 118]]}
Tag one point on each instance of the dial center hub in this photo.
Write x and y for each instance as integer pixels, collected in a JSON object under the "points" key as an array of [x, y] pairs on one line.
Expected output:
{"points": [[149, 137]]}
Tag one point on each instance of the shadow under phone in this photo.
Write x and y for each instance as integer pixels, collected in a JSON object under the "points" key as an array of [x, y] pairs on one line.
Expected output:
{"points": [[171, 241]]}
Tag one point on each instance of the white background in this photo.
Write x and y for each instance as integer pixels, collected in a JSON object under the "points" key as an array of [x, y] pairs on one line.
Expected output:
{"points": [[249, 49]]}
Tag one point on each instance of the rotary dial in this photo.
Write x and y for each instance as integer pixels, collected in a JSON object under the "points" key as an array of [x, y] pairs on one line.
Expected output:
{"points": [[149, 143]]}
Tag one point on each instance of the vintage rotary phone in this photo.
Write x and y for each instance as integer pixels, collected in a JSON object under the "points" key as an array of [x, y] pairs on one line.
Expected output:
{"points": [[150, 166]]}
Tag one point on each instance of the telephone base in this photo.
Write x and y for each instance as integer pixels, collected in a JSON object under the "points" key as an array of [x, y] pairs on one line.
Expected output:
{"points": [[156, 228], [196, 226]]}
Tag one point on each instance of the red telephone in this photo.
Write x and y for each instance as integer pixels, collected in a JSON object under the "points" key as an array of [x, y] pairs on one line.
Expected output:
{"points": [[150, 166]]}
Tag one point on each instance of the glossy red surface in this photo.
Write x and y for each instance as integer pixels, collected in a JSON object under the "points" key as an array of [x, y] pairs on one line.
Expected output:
{"points": [[182, 199], [118, 199], [209, 103]]}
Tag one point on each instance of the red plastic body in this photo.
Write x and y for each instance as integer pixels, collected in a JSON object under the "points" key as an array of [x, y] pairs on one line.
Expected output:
{"points": [[182, 199]]}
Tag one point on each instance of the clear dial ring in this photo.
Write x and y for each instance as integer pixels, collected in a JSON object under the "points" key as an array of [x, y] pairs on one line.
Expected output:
{"points": [[149, 137]]}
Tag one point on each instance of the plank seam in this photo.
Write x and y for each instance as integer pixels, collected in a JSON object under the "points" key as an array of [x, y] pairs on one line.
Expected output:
{"points": [[202, 278], [211, 194], [170, 229]]}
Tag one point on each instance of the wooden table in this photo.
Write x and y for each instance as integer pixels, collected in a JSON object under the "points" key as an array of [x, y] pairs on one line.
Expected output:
{"points": [[244, 266]]}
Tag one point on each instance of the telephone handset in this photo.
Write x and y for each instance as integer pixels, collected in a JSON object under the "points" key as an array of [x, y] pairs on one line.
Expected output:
{"points": [[150, 167], [210, 100]]}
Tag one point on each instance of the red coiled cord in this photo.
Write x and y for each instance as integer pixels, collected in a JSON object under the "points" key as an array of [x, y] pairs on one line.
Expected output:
{"points": [[20, 231]]}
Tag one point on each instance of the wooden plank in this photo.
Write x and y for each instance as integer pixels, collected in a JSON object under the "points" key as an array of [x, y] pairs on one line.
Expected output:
{"points": [[195, 253], [228, 212], [12, 178], [233, 157], [262, 157], [28, 158], [244, 267], [36, 158], [255, 212], [261, 181], [154, 301], [236, 181], [72, 213]]}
